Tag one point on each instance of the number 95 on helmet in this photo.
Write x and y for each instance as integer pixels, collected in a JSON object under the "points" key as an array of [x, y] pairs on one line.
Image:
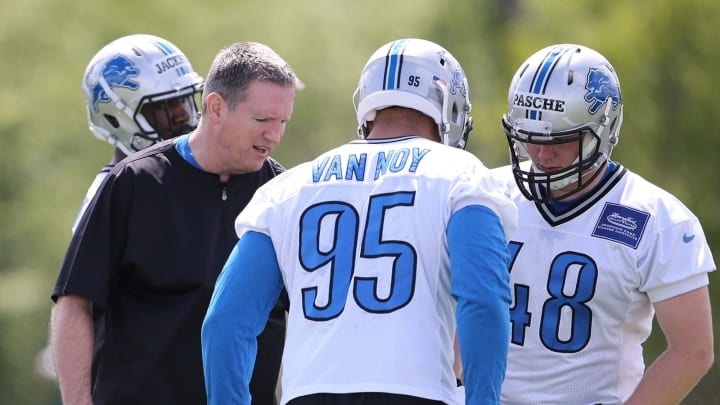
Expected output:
{"points": [[140, 89], [421, 75]]}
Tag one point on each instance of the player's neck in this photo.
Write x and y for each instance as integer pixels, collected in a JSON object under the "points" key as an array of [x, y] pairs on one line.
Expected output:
{"points": [[397, 130], [395, 122], [118, 155]]}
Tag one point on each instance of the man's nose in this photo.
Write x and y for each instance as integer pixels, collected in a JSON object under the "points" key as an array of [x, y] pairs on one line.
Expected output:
{"points": [[179, 111], [275, 130], [545, 151]]}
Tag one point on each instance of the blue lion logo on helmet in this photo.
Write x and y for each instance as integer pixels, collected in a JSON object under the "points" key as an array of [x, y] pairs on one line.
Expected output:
{"points": [[458, 83], [117, 73], [601, 87]]}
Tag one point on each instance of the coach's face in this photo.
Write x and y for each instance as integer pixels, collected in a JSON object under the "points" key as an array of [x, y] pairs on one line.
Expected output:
{"points": [[250, 131]]}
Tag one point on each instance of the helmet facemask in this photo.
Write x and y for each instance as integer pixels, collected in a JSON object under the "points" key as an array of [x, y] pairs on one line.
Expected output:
{"points": [[538, 185], [156, 114]]}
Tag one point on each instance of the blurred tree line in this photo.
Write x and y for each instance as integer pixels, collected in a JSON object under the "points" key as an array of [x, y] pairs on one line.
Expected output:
{"points": [[667, 55]]}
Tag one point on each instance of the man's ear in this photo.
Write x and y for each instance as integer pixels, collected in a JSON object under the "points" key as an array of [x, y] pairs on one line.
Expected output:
{"points": [[215, 105]]}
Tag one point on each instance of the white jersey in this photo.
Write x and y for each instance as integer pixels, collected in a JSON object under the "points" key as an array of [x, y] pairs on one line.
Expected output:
{"points": [[92, 190], [583, 286], [383, 336]]}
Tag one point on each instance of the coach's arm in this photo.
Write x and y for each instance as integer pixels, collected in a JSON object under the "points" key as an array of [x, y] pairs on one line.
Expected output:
{"points": [[72, 339]]}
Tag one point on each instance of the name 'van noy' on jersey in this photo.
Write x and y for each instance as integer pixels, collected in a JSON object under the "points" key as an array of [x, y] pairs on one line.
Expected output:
{"points": [[356, 166]]}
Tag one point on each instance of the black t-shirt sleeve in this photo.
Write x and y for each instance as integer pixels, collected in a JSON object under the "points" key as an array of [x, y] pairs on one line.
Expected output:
{"points": [[87, 267]]}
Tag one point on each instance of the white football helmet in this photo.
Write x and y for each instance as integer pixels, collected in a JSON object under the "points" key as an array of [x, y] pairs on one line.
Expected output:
{"points": [[129, 73], [560, 94], [417, 74]]}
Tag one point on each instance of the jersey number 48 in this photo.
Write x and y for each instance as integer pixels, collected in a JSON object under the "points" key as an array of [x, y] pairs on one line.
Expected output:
{"points": [[570, 308]]}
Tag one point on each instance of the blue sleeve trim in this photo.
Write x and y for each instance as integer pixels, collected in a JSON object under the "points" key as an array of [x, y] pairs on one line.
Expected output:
{"points": [[182, 145], [245, 292], [480, 282]]}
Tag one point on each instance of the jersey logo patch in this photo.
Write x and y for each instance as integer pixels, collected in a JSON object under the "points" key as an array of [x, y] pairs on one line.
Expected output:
{"points": [[621, 224]]}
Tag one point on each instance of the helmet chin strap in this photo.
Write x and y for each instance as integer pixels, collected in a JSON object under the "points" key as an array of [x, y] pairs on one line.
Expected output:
{"points": [[122, 106], [362, 129], [119, 103], [560, 183], [444, 125]]}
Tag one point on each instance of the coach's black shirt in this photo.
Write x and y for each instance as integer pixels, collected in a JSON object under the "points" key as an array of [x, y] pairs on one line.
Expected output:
{"points": [[147, 253]]}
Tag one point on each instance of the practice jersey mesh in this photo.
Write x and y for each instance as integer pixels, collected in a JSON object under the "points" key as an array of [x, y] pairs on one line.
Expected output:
{"points": [[345, 257]]}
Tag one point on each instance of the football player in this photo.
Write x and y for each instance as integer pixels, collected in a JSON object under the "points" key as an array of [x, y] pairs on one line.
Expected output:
{"points": [[598, 250]]}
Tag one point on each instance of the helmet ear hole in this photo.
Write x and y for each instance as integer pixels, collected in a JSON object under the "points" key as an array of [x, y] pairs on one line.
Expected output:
{"points": [[112, 120]]}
